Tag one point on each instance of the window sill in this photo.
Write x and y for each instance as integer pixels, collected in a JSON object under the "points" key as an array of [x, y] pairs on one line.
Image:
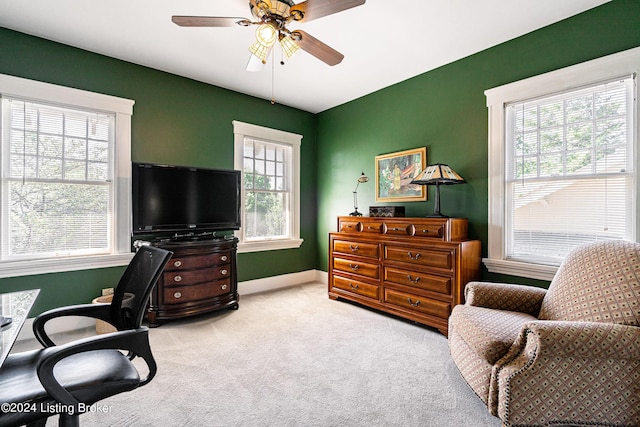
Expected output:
{"points": [[269, 245], [521, 269], [44, 266]]}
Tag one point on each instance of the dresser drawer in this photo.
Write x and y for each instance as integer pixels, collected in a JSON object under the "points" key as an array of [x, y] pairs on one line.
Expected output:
{"points": [[356, 267], [177, 278], [421, 256], [398, 229], [428, 282], [418, 303], [197, 261], [372, 227], [370, 250], [356, 287], [434, 231], [190, 293], [348, 226]]}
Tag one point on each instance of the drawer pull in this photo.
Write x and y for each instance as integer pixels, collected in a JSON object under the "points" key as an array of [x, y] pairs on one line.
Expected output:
{"points": [[354, 287], [223, 272], [223, 287], [354, 267], [412, 256], [177, 279], [395, 229], [177, 263], [223, 258], [412, 280], [355, 248], [177, 295], [370, 227], [415, 304]]}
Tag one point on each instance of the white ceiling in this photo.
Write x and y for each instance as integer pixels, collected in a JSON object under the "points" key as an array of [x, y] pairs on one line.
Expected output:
{"points": [[384, 41]]}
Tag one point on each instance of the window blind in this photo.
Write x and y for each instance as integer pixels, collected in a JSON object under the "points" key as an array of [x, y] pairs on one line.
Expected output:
{"points": [[569, 170], [57, 176]]}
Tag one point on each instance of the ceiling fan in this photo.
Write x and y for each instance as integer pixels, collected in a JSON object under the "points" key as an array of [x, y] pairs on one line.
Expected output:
{"points": [[272, 18]]}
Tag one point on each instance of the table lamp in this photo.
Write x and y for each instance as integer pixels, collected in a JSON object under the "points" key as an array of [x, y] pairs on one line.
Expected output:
{"points": [[438, 174], [361, 179]]}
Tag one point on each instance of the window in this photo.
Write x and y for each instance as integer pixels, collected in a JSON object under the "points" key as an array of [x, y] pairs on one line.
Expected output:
{"points": [[270, 161], [65, 197], [562, 164]]}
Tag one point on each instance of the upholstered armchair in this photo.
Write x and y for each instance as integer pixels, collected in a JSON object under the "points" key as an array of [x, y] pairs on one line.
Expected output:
{"points": [[566, 356]]}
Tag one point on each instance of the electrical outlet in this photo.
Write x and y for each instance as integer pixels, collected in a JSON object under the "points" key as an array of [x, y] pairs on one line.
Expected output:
{"points": [[107, 291]]}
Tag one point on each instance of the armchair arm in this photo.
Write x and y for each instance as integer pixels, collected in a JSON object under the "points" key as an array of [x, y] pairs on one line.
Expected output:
{"points": [[505, 296], [563, 368], [136, 341], [96, 311]]}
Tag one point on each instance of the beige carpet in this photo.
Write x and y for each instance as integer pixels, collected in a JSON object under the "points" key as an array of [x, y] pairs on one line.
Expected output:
{"points": [[293, 357]]}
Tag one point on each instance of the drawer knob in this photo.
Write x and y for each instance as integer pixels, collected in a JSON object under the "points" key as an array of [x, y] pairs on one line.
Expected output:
{"points": [[177, 263], [415, 304], [412, 280], [412, 256], [223, 272], [223, 287], [354, 287], [177, 295], [177, 278], [224, 258], [354, 267], [353, 248]]}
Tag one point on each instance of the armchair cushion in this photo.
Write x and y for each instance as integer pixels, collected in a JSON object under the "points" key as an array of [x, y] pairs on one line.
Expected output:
{"points": [[598, 283]]}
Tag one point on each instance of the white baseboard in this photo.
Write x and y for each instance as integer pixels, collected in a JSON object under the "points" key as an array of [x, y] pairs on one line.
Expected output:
{"points": [[279, 282], [67, 324]]}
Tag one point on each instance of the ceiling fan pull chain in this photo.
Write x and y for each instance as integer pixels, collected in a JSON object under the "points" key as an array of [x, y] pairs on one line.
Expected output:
{"points": [[273, 61]]}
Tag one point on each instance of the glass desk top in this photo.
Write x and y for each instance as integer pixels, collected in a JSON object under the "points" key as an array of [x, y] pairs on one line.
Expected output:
{"points": [[14, 305]]}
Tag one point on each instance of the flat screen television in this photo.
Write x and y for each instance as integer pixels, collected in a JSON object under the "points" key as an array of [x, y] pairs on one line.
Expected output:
{"points": [[184, 200]]}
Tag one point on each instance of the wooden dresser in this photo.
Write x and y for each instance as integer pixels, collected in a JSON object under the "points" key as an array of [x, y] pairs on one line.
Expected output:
{"points": [[415, 268], [200, 277]]}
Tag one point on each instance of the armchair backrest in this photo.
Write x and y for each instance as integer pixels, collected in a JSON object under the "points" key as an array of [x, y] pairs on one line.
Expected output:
{"points": [[132, 293], [597, 282]]}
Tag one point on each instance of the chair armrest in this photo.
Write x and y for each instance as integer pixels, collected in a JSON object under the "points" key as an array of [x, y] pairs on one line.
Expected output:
{"points": [[505, 296], [95, 311], [562, 367], [136, 341]]}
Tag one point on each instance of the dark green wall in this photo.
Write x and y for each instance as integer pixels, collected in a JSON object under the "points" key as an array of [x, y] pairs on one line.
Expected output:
{"points": [[445, 110], [181, 121], [175, 121]]}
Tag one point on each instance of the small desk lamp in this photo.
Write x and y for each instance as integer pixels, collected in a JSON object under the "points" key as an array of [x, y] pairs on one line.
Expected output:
{"points": [[438, 174], [361, 179]]}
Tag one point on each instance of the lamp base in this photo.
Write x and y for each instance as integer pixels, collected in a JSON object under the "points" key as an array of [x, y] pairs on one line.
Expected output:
{"points": [[437, 215], [355, 213]]}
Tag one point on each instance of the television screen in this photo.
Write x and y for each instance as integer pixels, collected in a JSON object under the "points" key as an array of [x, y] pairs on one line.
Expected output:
{"points": [[184, 199]]}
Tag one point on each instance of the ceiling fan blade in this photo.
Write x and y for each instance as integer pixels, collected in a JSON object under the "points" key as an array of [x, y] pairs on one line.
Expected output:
{"points": [[314, 9], [316, 48], [254, 64], [208, 21]]}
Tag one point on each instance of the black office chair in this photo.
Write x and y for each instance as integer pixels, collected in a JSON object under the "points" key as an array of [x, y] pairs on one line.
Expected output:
{"points": [[67, 379]]}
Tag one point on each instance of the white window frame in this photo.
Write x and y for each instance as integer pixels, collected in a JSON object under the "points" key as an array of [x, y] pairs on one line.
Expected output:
{"points": [[606, 68], [123, 109], [243, 130]]}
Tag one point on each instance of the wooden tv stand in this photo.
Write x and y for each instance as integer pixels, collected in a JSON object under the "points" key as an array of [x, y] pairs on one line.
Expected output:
{"points": [[200, 277], [415, 268]]}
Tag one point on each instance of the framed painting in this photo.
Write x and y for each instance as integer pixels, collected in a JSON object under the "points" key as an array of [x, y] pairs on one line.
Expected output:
{"points": [[394, 173]]}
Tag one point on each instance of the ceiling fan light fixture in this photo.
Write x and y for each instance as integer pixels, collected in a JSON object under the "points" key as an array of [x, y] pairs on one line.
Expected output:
{"points": [[261, 51], [266, 35], [289, 47]]}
